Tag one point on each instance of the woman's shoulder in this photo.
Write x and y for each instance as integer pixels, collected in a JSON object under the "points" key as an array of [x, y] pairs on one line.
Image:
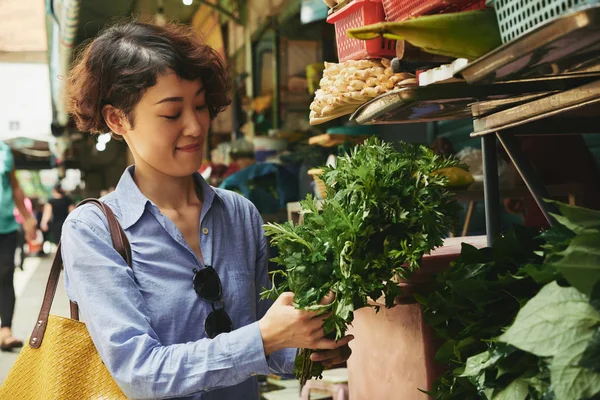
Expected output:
{"points": [[91, 215], [236, 201]]}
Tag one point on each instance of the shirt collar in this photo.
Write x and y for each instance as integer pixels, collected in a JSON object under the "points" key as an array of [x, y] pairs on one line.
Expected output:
{"points": [[132, 201]]}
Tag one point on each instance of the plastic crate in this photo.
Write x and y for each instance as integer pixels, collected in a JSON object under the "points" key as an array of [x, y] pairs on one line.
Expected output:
{"points": [[517, 17], [355, 15], [399, 10]]}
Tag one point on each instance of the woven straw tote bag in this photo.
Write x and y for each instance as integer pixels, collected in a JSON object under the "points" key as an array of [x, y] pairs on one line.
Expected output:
{"points": [[60, 360]]}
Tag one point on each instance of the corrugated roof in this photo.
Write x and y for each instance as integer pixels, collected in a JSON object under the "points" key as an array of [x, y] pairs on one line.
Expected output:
{"points": [[22, 25]]}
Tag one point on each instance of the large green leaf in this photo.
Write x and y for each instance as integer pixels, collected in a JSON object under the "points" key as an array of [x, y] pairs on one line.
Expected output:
{"points": [[591, 355], [516, 390], [541, 274], [479, 362], [595, 297], [551, 321], [570, 381], [578, 219], [580, 262]]}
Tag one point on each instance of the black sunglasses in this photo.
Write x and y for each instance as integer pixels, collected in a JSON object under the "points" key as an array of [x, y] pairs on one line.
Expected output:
{"points": [[208, 286]]}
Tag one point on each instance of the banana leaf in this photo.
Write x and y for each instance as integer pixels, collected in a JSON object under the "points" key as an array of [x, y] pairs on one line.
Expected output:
{"points": [[468, 34]]}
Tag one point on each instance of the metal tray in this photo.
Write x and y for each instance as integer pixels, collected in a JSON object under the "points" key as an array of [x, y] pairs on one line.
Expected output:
{"points": [[569, 44], [448, 101]]}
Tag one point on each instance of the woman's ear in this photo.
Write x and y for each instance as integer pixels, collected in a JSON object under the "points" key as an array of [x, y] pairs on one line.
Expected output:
{"points": [[115, 120]]}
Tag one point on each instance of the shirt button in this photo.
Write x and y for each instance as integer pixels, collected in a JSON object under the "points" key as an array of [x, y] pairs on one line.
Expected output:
{"points": [[205, 231]]}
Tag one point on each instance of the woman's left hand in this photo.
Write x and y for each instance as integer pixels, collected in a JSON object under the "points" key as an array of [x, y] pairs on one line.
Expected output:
{"points": [[329, 358]]}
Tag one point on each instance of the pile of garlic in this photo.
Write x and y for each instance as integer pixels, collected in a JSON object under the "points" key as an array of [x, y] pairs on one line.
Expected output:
{"points": [[348, 85]]}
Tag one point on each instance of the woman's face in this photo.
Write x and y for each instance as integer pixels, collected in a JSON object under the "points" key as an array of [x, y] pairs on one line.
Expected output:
{"points": [[171, 123]]}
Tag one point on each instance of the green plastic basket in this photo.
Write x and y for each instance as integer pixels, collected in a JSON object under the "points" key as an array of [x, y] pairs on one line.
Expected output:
{"points": [[517, 17]]}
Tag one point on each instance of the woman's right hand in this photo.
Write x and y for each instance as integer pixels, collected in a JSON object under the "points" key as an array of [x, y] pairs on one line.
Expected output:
{"points": [[284, 326]]}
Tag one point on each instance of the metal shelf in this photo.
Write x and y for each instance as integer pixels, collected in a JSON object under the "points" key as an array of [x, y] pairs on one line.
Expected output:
{"points": [[567, 101], [446, 101], [545, 83], [569, 44]]}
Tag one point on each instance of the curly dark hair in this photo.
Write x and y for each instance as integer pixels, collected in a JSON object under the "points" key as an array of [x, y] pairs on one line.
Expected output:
{"points": [[119, 65]]}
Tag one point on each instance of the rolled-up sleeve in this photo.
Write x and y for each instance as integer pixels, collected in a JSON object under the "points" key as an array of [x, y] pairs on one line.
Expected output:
{"points": [[280, 362], [117, 318]]}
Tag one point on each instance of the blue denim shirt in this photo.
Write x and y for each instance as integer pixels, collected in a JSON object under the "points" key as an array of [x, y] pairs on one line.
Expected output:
{"points": [[147, 322]]}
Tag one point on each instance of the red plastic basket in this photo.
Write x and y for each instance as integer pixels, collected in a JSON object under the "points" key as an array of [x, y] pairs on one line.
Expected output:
{"points": [[355, 15], [399, 10]]}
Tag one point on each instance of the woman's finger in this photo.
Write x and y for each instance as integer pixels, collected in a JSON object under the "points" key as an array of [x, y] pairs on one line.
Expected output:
{"points": [[335, 356], [325, 355], [327, 299], [329, 344]]}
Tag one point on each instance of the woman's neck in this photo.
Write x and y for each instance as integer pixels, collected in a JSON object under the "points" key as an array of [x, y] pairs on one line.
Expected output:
{"points": [[167, 192]]}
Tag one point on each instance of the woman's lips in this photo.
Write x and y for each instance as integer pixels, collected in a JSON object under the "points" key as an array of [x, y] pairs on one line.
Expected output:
{"points": [[191, 148]]}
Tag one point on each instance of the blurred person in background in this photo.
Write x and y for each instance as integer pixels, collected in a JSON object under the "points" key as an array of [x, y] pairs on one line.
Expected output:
{"points": [[39, 212], [21, 232], [55, 213], [11, 195]]}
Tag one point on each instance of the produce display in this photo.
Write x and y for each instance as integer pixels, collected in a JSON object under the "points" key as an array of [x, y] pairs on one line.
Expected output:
{"points": [[467, 34], [518, 323], [346, 86], [334, 3], [384, 210]]}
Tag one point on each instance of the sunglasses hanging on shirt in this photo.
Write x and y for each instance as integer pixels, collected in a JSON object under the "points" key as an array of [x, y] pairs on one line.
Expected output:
{"points": [[207, 285]]}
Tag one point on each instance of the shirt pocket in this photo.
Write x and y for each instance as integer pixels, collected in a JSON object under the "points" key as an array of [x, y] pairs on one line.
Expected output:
{"points": [[240, 297]]}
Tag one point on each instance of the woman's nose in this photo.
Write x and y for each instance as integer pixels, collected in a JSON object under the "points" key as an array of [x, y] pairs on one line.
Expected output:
{"points": [[192, 126]]}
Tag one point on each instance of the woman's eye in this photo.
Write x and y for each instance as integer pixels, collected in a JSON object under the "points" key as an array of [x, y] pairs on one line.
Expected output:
{"points": [[172, 117], [200, 108]]}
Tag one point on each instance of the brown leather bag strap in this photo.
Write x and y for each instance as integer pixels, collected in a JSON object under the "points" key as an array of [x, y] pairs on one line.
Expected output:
{"points": [[120, 243]]}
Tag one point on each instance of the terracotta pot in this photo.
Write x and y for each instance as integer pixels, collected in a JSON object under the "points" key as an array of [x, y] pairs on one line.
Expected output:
{"points": [[393, 350]]}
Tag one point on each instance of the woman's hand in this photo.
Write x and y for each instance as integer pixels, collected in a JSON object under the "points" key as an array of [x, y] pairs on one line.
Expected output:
{"points": [[330, 358], [283, 326]]}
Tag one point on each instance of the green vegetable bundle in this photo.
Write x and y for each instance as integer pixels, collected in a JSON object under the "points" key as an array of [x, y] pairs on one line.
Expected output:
{"points": [[473, 300], [384, 210], [551, 349]]}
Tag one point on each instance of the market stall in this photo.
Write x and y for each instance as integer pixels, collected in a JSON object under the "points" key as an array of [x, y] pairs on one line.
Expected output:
{"points": [[542, 82]]}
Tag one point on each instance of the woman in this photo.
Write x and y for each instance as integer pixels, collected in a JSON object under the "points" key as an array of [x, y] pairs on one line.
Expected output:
{"points": [[56, 211], [185, 320]]}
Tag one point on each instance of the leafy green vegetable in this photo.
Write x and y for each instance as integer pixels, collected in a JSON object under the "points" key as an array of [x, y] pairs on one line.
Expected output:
{"points": [[384, 210], [551, 320], [474, 299], [574, 248], [516, 390], [552, 349], [559, 322], [579, 262], [591, 355]]}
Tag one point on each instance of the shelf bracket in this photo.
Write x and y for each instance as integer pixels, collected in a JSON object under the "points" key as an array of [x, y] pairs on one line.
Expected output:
{"points": [[530, 177]]}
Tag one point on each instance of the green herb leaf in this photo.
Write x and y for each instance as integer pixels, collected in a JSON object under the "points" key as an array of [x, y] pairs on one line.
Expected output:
{"points": [[551, 321], [580, 262], [384, 210], [591, 354], [516, 390], [479, 362], [578, 219], [569, 379]]}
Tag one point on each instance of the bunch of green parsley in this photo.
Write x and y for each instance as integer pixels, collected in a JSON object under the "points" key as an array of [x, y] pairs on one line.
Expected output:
{"points": [[384, 210]]}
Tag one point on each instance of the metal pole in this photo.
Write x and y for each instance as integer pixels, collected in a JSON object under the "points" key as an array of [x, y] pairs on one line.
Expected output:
{"points": [[276, 75], [491, 187], [530, 177]]}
